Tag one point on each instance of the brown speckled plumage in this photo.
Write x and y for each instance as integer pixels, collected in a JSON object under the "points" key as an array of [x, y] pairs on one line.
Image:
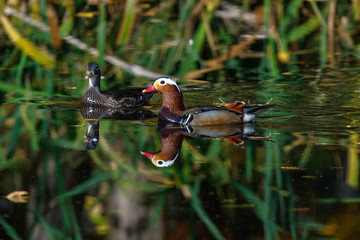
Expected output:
{"points": [[127, 98]]}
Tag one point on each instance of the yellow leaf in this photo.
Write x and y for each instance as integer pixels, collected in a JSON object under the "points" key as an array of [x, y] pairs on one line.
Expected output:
{"points": [[39, 55], [18, 196], [87, 14]]}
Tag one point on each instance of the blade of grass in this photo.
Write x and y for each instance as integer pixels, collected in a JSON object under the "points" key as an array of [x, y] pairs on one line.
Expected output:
{"points": [[42, 5], [337, 200], [52, 232], [251, 197], [28, 117], [303, 30], [50, 83], [292, 214], [2, 5], [20, 70], [352, 175], [41, 56], [249, 163], [68, 216], [68, 21], [15, 132], [127, 23], [269, 212], [10, 231], [197, 206], [87, 185], [291, 15], [101, 33], [158, 208]]}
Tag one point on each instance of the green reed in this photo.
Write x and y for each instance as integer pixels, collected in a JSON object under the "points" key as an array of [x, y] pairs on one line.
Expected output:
{"points": [[197, 206], [10, 231]]}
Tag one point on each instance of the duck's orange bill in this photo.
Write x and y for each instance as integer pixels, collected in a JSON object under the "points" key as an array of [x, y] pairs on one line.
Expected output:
{"points": [[88, 72], [148, 155], [150, 89]]}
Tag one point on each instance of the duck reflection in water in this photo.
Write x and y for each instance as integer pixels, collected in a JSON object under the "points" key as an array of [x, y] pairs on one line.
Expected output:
{"points": [[92, 116], [111, 104], [172, 136]]}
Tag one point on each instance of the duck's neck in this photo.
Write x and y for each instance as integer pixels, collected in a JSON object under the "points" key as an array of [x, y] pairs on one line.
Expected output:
{"points": [[173, 104], [171, 141], [94, 82]]}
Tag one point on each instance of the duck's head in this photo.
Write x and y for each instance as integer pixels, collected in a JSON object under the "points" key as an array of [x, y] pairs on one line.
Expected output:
{"points": [[171, 141], [158, 160], [92, 134], [163, 85], [93, 73], [172, 96]]}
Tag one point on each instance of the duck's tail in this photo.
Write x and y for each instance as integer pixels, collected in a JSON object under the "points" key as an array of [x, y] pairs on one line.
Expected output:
{"points": [[249, 112], [256, 109], [252, 111]]}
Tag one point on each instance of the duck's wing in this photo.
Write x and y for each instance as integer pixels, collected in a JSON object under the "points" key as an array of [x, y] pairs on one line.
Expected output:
{"points": [[128, 97], [210, 115]]}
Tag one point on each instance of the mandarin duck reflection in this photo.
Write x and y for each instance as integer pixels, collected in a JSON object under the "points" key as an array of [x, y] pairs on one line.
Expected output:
{"points": [[171, 141], [172, 136], [174, 110], [126, 98]]}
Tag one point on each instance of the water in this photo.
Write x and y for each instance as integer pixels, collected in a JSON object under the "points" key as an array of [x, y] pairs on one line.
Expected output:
{"points": [[292, 174]]}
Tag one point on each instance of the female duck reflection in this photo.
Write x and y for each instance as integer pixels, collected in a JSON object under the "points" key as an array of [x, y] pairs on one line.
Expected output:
{"points": [[172, 136], [92, 116]]}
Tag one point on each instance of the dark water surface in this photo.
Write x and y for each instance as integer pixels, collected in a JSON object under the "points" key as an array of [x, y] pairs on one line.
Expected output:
{"points": [[300, 183]]}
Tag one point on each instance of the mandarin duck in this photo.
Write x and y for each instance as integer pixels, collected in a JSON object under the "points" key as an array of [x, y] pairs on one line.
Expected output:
{"points": [[126, 98], [172, 136], [174, 110]]}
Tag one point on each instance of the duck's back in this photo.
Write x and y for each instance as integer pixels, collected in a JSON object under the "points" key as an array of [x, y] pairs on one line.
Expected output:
{"points": [[127, 98]]}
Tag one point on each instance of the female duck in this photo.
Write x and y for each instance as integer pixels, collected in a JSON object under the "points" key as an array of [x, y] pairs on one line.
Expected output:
{"points": [[127, 98], [174, 110]]}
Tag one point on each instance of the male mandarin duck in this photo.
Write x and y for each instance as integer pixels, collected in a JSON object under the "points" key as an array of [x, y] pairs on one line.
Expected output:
{"points": [[172, 137], [126, 98], [174, 110]]}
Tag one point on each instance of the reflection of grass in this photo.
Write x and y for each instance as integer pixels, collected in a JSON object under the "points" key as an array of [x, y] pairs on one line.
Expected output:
{"points": [[10, 231]]}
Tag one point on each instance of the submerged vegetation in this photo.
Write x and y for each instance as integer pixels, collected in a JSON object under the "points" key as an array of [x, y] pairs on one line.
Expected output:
{"points": [[299, 53]]}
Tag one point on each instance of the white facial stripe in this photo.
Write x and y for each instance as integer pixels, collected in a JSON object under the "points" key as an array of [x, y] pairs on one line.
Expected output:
{"points": [[167, 81], [167, 163]]}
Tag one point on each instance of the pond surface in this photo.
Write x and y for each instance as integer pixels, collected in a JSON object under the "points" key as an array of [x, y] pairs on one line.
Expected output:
{"points": [[294, 174]]}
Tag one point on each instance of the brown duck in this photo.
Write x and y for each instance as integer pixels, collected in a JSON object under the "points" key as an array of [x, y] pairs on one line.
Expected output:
{"points": [[174, 110]]}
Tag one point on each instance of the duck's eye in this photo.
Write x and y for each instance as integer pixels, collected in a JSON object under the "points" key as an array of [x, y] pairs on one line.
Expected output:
{"points": [[162, 82], [160, 162]]}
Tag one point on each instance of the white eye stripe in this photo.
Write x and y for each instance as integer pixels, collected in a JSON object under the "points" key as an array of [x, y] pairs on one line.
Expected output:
{"points": [[166, 163], [166, 80]]}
